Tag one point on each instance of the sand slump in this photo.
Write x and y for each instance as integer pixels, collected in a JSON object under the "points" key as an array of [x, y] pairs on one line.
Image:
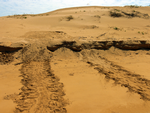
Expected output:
{"points": [[6, 54], [41, 92], [6, 58]]}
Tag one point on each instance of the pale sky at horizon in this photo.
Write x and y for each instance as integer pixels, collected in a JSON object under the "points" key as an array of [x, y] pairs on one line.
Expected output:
{"points": [[11, 7]]}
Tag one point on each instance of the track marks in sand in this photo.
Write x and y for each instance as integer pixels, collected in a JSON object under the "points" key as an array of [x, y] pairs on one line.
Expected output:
{"points": [[41, 92], [134, 82]]}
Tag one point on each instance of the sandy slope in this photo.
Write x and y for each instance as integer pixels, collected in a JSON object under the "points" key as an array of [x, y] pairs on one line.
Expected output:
{"points": [[94, 62], [87, 22]]}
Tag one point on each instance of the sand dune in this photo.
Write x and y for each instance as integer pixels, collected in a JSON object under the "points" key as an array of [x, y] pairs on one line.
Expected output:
{"points": [[76, 60]]}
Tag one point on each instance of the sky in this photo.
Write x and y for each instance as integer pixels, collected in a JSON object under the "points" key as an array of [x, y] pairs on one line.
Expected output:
{"points": [[11, 7]]}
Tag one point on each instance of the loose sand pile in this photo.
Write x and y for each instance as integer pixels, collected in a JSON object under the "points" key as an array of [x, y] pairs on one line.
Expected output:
{"points": [[76, 60]]}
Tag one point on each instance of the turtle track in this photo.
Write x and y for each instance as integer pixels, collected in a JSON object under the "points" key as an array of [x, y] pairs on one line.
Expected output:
{"points": [[134, 82], [41, 92]]}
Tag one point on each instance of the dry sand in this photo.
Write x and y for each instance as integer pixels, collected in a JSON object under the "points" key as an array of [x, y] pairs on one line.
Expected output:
{"points": [[76, 60]]}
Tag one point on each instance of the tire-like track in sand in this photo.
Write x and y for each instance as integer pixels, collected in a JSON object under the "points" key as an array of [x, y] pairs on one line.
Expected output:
{"points": [[41, 92], [134, 82]]}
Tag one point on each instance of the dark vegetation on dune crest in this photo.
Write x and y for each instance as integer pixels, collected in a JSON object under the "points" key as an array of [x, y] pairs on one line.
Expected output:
{"points": [[128, 14]]}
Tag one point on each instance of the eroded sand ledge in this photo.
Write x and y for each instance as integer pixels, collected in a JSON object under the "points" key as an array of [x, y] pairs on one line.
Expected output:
{"points": [[80, 45], [34, 96]]}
